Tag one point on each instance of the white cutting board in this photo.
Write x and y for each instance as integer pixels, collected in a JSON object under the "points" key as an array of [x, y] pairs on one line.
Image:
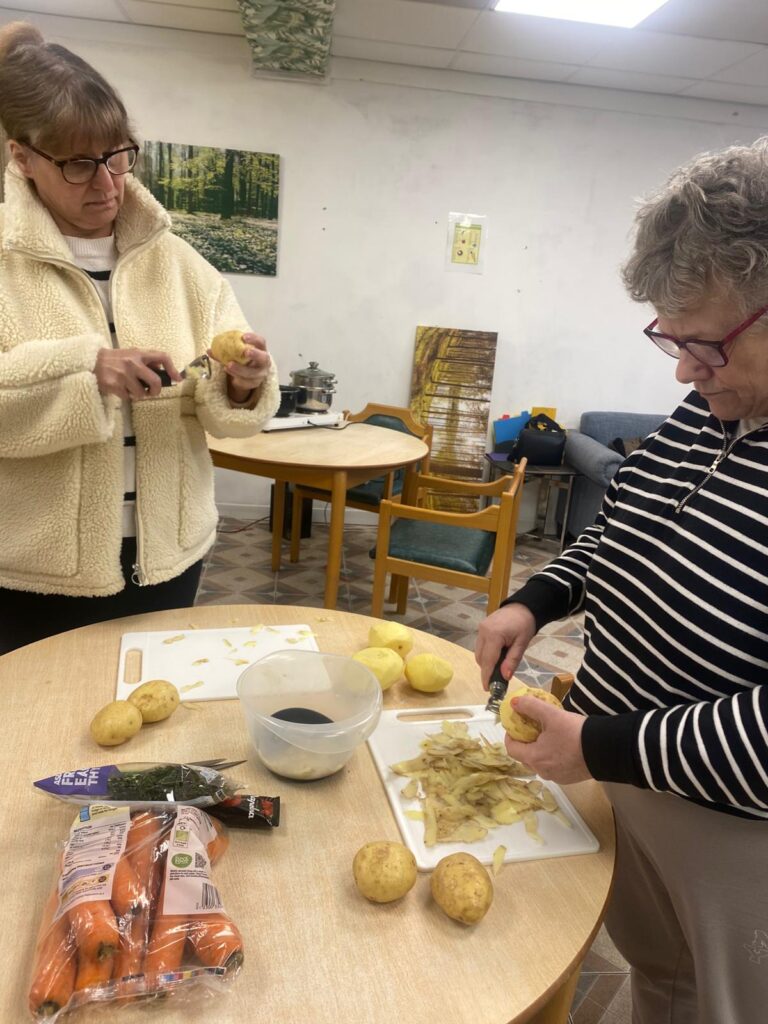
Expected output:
{"points": [[397, 738], [222, 655]]}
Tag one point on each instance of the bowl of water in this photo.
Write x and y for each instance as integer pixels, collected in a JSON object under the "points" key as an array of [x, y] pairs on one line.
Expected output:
{"points": [[307, 711]]}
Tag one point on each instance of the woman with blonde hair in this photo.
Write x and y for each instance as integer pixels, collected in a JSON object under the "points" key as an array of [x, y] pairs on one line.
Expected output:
{"points": [[669, 708], [106, 485]]}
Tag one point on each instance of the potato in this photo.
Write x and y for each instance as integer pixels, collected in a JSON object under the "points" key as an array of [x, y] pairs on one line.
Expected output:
{"points": [[386, 664], [116, 723], [518, 726], [156, 700], [229, 347], [391, 634], [428, 673], [384, 871], [462, 888]]}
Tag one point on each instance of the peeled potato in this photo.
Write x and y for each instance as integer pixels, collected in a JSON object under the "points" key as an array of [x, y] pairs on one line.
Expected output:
{"points": [[391, 634], [156, 700], [518, 726], [462, 888], [229, 347], [386, 664], [428, 673], [116, 723], [384, 871]]}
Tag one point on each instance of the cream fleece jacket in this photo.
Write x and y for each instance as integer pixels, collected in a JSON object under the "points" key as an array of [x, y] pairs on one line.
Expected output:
{"points": [[61, 459]]}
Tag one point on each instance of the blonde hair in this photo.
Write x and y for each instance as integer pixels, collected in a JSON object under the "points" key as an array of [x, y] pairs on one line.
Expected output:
{"points": [[705, 231], [53, 99]]}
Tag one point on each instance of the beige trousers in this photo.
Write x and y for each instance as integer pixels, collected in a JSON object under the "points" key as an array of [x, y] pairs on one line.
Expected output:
{"points": [[689, 910]]}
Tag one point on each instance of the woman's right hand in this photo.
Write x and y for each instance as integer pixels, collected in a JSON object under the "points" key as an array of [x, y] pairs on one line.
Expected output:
{"points": [[130, 372], [512, 626]]}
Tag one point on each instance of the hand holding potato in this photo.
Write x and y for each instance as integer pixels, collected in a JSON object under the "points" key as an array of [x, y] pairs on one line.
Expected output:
{"points": [[556, 755], [245, 360]]}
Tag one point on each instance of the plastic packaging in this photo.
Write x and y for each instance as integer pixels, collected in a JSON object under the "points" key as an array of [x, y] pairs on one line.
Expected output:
{"points": [[142, 783], [134, 913]]}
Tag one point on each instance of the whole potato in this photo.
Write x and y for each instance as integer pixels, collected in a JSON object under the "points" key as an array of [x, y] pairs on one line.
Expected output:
{"points": [[116, 723], [462, 888], [229, 347], [518, 726], [384, 871], [156, 700]]}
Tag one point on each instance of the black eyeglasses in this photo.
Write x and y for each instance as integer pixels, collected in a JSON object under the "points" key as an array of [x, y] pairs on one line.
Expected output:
{"points": [[711, 353], [79, 170]]}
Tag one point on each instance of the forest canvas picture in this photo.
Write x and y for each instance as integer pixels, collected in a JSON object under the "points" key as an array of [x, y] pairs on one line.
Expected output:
{"points": [[224, 202]]}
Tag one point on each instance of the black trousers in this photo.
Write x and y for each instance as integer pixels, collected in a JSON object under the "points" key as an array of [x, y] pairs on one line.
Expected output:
{"points": [[26, 617]]}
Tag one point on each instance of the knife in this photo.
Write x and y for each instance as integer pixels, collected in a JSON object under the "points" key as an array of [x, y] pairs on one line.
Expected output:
{"points": [[497, 685]]}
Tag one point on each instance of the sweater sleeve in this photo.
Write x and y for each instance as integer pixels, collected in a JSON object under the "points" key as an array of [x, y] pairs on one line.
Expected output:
{"points": [[713, 752], [560, 588], [214, 410], [49, 397]]}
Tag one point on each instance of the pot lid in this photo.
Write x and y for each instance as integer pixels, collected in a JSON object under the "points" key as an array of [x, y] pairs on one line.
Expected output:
{"points": [[313, 374]]}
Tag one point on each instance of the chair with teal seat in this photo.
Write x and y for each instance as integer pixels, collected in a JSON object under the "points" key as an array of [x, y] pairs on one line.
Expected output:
{"points": [[366, 496], [456, 548]]}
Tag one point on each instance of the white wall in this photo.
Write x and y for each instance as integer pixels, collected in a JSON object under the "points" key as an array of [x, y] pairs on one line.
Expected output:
{"points": [[371, 164]]}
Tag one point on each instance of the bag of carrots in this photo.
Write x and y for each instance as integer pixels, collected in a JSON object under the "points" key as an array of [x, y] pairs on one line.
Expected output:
{"points": [[134, 913]]}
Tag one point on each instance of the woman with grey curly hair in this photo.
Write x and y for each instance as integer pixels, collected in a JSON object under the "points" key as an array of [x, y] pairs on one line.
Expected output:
{"points": [[669, 708]]}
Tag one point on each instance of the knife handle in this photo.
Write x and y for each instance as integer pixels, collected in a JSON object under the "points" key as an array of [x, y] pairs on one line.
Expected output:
{"points": [[497, 684]]}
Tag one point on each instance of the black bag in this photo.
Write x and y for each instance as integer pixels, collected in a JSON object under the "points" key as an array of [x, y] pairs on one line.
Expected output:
{"points": [[541, 441]]}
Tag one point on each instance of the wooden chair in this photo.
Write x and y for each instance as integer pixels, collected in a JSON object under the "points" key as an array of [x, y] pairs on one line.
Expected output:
{"points": [[449, 547], [368, 495]]}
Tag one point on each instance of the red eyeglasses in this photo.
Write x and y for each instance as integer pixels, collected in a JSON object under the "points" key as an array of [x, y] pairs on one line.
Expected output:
{"points": [[712, 353]]}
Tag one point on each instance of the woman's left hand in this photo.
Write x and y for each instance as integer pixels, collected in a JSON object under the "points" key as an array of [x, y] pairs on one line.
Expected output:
{"points": [[245, 377], [556, 754]]}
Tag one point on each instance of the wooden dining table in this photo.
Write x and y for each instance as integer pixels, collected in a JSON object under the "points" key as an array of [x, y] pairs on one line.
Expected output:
{"points": [[328, 458], [316, 952]]}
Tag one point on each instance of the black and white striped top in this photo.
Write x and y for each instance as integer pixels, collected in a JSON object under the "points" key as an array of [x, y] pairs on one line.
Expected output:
{"points": [[674, 578], [97, 257]]}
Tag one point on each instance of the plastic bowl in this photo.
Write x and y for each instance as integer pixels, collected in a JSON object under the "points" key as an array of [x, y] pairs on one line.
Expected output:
{"points": [[341, 695]]}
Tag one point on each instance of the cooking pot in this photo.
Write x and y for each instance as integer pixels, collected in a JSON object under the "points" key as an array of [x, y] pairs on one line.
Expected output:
{"points": [[316, 389]]}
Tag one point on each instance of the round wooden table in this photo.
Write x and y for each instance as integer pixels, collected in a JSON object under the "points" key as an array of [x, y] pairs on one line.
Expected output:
{"points": [[316, 951], [329, 459]]}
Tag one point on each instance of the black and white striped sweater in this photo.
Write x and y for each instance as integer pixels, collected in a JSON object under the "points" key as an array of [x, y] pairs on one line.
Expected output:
{"points": [[673, 576]]}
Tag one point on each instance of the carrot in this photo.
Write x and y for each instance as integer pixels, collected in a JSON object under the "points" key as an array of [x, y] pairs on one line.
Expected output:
{"points": [[95, 929], [133, 935], [217, 942], [218, 845], [127, 891], [53, 977], [166, 947], [91, 973], [145, 850]]}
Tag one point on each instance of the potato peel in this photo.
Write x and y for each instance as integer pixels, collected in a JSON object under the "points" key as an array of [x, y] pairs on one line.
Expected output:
{"points": [[468, 786]]}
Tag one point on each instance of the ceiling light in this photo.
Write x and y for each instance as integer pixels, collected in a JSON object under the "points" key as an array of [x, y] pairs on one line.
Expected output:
{"points": [[624, 13]]}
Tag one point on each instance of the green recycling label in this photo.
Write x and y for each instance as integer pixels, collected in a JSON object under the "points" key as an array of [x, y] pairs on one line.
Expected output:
{"points": [[181, 860]]}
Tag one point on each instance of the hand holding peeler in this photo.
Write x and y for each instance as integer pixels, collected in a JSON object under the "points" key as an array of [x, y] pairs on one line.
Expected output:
{"points": [[497, 685], [198, 369]]}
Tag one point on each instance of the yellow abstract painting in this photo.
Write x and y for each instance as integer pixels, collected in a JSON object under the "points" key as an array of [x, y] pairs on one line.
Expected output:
{"points": [[451, 390]]}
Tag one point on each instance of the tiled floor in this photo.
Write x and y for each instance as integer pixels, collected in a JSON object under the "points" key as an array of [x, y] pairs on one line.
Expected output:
{"points": [[238, 571]]}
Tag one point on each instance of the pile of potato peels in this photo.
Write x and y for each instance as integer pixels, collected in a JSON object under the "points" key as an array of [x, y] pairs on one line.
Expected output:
{"points": [[469, 785]]}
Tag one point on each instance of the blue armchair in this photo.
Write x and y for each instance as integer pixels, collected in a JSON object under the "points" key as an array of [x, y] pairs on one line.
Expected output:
{"points": [[586, 449]]}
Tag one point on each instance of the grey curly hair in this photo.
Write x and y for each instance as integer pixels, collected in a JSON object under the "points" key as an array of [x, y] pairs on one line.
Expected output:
{"points": [[705, 232]]}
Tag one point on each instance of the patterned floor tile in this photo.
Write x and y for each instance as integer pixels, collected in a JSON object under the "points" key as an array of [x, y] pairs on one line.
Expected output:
{"points": [[238, 571]]}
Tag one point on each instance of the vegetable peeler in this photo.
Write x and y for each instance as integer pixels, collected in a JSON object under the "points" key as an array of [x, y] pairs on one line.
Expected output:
{"points": [[497, 685], [198, 369]]}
